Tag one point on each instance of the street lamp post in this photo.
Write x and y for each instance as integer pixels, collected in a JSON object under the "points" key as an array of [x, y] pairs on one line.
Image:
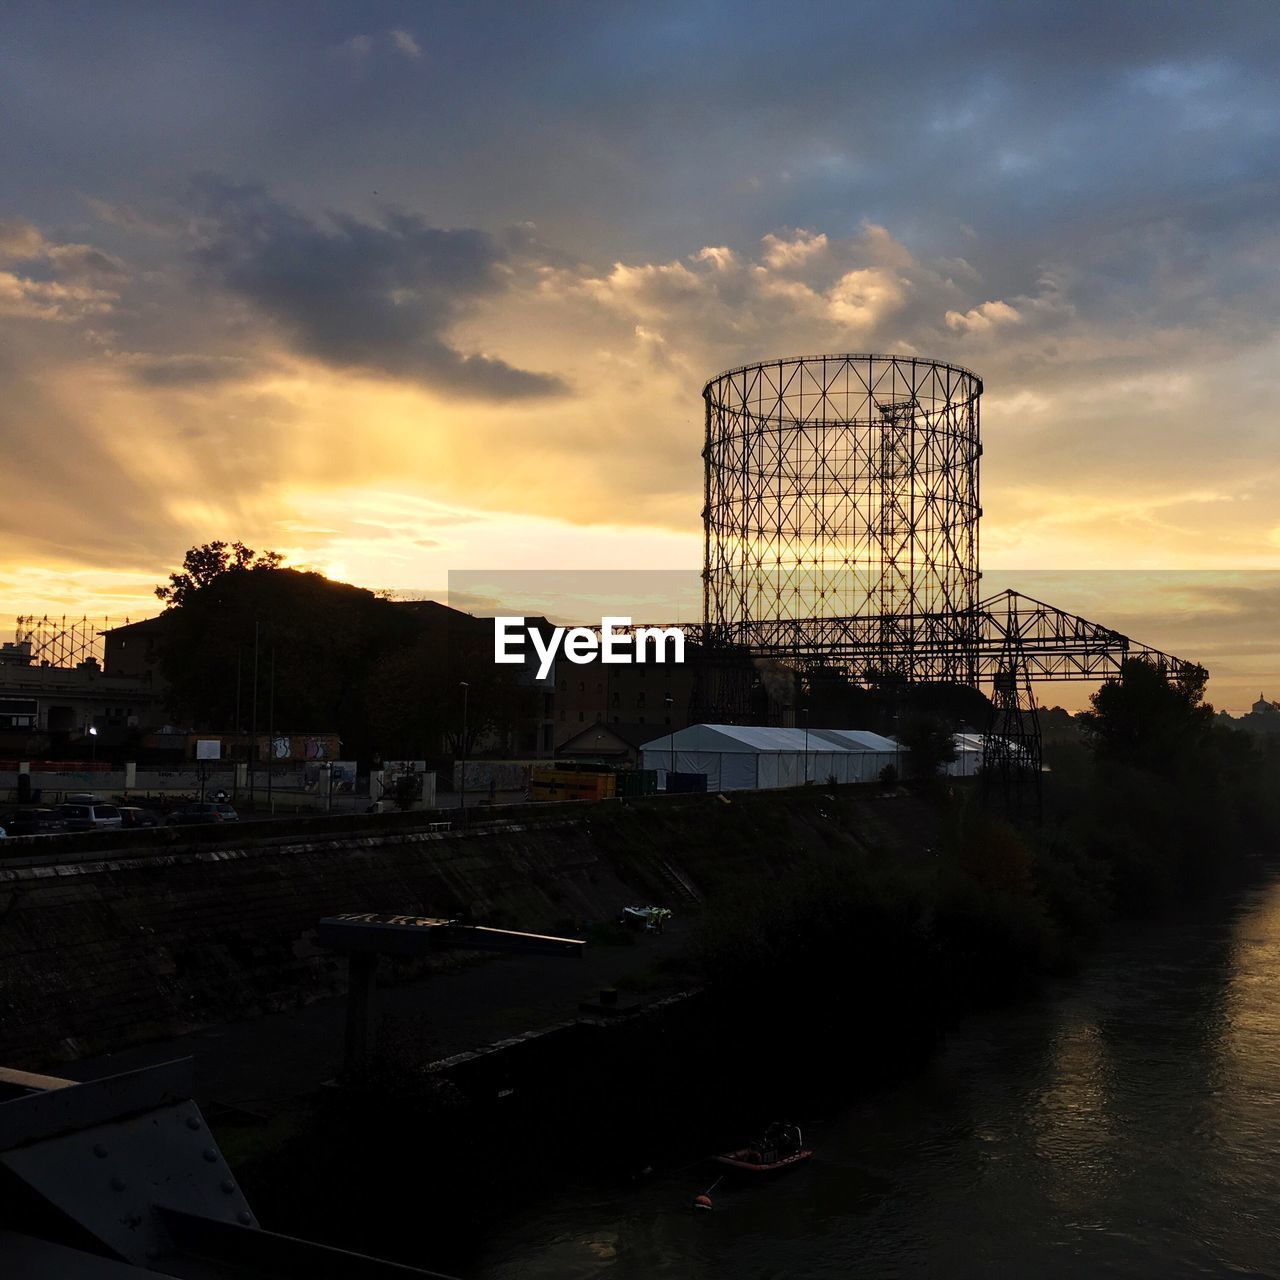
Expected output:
{"points": [[671, 720], [804, 711], [93, 742], [466, 690]]}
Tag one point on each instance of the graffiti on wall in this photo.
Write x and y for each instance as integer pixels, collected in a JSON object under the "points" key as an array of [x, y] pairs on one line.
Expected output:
{"points": [[311, 746]]}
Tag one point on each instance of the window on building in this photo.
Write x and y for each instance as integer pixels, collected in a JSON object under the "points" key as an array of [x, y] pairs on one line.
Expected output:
{"points": [[582, 715], [18, 713]]}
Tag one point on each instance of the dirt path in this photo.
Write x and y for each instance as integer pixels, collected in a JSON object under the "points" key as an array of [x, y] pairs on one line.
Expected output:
{"points": [[265, 1062]]}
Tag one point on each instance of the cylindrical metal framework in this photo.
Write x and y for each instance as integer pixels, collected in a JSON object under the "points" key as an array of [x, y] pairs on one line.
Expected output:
{"points": [[840, 489]]}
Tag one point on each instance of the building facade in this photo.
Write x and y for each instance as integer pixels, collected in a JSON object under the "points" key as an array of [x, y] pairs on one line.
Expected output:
{"points": [[657, 695], [43, 708]]}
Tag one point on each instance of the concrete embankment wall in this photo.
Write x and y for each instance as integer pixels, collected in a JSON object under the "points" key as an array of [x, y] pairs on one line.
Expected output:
{"points": [[96, 954]]}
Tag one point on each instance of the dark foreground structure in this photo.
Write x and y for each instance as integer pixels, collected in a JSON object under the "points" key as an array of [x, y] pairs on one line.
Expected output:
{"points": [[841, 530], [121, 1177]]}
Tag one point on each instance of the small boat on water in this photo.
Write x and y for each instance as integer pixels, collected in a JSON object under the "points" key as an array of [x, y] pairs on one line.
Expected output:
{"points": [[781, 1146]]}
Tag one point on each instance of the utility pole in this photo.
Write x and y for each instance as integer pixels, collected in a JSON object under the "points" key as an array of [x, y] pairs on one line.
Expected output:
{"points": [[271, 728], [672, 720], [253, 730], [466, 690], [237, 726]]}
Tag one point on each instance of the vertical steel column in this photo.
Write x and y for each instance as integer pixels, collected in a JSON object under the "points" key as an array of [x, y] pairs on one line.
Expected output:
{"points": [[362, 970]]}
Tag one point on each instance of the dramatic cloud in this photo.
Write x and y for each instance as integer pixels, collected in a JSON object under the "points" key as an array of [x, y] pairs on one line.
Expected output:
{"points": [[983, 317], [1080, 204], [54, 281], [374, 296], [19, 240], [798, 291]]}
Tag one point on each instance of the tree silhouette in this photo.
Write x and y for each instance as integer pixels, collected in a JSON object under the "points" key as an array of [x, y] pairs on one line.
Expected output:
{"points": [[1144, 720], [203, 565], [929, 742]]}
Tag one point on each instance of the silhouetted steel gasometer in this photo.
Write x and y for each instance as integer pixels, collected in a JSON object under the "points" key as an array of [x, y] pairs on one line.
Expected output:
{"points": [[841, 530]]}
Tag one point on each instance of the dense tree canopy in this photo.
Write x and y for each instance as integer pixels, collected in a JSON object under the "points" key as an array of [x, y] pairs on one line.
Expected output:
{"points": [[1147, 721]]}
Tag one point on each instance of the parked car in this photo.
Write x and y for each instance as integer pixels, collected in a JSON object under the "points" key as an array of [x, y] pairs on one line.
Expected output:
{"points": [[33, 821], [132, 816], [193, 814], [89, 817]]}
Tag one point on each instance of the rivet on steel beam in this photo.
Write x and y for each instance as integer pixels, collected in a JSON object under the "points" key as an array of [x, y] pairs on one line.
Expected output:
{"points": [[100, 1150], [228, 1186], [244, 1217], [210, 1154], [117, 1184], [193, 1122]]}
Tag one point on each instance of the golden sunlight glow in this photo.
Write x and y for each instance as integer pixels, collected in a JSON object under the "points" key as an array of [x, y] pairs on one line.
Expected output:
{"points": [[392, 482]]}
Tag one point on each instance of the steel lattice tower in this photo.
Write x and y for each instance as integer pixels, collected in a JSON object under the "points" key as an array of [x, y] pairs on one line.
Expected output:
{"points": [[841, 487]]}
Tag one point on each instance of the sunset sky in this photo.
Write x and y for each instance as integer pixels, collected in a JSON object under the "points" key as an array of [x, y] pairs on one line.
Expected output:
{"points": [[400, 289]]}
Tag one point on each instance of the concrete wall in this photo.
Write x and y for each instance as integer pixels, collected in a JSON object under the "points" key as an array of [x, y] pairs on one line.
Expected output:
{"points": [[95, 955], [199, 926], [289, 785]]}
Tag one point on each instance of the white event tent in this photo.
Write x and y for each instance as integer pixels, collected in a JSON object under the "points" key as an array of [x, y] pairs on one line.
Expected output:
{"points": [[739, 757], [968, 761]]}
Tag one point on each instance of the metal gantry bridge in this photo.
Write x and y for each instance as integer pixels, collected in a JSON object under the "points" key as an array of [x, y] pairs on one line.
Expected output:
{"points": [[1007, 642], [969, 647]]}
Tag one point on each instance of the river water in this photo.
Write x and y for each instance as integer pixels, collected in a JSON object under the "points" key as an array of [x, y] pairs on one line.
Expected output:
{"points": [[1125, 1124]]}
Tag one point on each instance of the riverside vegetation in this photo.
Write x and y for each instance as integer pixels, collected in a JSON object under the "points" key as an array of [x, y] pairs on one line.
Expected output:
{"points": [[841, 936]]}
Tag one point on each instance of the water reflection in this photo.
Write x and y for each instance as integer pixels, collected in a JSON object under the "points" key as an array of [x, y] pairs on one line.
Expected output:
{"points": [[1128, 1125], [1070, 1122]]}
